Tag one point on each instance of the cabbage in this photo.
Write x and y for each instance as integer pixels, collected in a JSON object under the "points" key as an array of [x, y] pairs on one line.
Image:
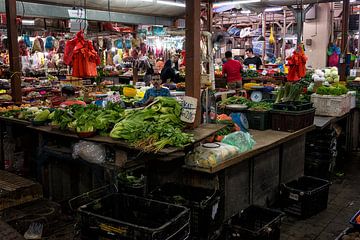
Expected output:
{"points": [[42, 116], [315, 76], [327, 72], [333, 69], [334, 74], [329, 79], [319, 72], [337, 79]]}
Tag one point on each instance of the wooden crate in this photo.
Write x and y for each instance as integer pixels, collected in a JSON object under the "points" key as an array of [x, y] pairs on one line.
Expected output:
{"points": [[15, 190]]}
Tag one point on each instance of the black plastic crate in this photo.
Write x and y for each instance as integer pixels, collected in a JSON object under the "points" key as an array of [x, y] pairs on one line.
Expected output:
{"points": [[318, 168], [293, 106], [123, 216], [258, 120], [291, 121], [254, 223], [305, 197], [132, 181], [204, 205], [346, 232]]}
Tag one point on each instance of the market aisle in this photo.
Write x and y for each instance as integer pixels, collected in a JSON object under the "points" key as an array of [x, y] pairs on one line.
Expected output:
{"points": [[344, 201]]}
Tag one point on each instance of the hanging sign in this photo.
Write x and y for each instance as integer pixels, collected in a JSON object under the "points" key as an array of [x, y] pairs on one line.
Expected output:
{"points": [[189, 107]]}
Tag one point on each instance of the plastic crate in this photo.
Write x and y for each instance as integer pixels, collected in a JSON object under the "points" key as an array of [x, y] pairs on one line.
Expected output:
{"points": [[254, 223], [345, 232], [333, 106], [353, 220], [291, 121], [318, 168], [293, 106], [305, 197], [259, 120], [203, 204], [133, 188], [123, 216]]}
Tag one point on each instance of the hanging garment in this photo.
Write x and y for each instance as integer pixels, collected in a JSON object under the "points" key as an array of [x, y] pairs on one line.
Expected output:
{"points": [[302, 62], [81, 54], [49, 43], [293, 62]]}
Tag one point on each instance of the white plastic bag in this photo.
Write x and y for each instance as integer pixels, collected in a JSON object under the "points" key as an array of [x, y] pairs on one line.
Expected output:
{"points": [[89, 151], [210, 155]]}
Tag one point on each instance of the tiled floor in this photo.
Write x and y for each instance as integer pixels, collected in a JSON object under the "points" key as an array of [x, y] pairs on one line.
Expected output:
{"points": [[344, 202]]}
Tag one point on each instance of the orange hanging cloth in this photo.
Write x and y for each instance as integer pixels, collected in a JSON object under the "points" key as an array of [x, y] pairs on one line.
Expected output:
{"points": [[302, 61], [293, 62]]}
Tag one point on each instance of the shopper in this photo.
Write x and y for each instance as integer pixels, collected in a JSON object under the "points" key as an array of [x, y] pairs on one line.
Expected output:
{"points": [[232, 71], [152, 93], [68, 92], [167, 73], [251, 59]]}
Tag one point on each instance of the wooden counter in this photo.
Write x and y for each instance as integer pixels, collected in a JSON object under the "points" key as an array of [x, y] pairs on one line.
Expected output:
{"points": [[200, 133], [265, 140]]}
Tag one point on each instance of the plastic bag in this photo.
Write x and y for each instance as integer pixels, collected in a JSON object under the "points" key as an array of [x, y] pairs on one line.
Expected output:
{"points": [[89, 151], [241, 140], [210, 155]]}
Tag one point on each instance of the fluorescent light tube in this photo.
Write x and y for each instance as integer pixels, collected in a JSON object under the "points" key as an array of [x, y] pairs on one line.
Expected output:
{"points": [[28, 22], [274, 9], [220, 4], [245, 11], [171, 3], [147, 0]]}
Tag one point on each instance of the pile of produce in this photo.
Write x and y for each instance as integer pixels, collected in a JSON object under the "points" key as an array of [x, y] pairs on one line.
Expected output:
{"points": [[87, 119], [289, 93], [254, 106], [335, 90], [152, 129], [330, 75], [250, 74]]}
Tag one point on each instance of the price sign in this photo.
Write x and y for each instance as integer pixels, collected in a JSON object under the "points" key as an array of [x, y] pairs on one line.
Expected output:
{"points": [[189, 106]]}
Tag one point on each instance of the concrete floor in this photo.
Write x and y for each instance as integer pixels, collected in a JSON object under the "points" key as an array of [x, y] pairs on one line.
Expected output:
{"points": [[344, 202]]}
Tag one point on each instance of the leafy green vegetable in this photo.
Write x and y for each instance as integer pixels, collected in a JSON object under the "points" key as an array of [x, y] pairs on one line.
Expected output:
{"points": [[154, 128], [42, 116], [335, 90]]}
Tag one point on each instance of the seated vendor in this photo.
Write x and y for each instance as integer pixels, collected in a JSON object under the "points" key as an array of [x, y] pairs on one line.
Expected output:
{"points": [[152, 93], [69, 93]]}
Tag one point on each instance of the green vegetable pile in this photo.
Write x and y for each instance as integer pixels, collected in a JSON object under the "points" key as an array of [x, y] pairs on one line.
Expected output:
{"points": [[289, 93], [335, 90], [152, 129], [87, 119], [250, 74], [254, 106]]}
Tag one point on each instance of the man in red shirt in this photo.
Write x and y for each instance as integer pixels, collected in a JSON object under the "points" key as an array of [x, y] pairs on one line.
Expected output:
{"points": [[232, 70]]}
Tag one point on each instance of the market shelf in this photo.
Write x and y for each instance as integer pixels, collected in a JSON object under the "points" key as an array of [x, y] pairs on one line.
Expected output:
{"points": [[265, 140], [200, 133]]}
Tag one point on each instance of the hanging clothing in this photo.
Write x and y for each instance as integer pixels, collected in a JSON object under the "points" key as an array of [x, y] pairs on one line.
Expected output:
{"points": [[81, 55]]}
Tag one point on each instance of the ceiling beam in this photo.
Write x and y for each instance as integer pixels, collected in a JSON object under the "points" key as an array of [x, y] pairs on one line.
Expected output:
{"points": [[61, 12]]}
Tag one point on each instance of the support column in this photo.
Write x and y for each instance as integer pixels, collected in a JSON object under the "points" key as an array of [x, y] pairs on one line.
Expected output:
{"points": [[344, 39], [193, 60], [15, 69], [210, 15]]}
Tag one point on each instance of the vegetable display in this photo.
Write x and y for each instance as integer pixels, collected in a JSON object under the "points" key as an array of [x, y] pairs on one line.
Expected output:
{"points": [[254, 106], [152, 129], [289, 93], [335, 90]]}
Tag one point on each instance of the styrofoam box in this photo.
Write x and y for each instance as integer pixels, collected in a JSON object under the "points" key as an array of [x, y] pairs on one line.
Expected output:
{"points": [[352, 95], [333, 106]]}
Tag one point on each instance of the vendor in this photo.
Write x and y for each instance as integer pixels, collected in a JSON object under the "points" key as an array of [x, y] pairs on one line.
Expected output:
{"points": [[252, 59], [152, 93], [231, 69], [167, 73], [68, 92]]}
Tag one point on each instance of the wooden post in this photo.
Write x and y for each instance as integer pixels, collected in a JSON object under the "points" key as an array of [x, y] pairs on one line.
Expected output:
{"points": [[344, 39], [15, 69], [192, 46], [210, 15]]}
